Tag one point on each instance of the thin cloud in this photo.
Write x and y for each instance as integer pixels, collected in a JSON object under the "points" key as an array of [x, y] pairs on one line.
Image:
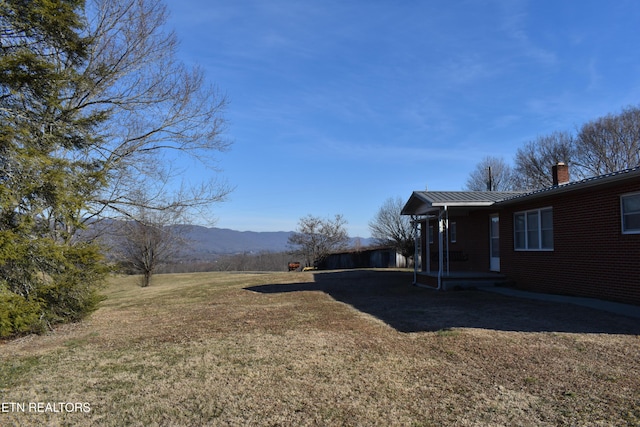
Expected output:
{"points": [[417, 90], [516, 26]]}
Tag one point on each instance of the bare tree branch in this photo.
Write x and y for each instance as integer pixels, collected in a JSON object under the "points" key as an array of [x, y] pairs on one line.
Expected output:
{"points": [[610, 143], [316, 237], [535, 160], [152, 104], [491, 174], [390, 228]]}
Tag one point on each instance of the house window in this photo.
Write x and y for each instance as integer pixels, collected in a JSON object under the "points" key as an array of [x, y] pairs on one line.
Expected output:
{"points": [[630, 208], [453, 232], [431, 234], [533, 230]]}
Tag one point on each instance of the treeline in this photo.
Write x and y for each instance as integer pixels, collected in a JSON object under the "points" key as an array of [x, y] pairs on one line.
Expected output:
{"points": [[604, 145], [262, 261]]}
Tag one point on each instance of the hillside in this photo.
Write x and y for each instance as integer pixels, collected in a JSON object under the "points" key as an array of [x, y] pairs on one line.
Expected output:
{"points": [[213, 240], [205, 241]]}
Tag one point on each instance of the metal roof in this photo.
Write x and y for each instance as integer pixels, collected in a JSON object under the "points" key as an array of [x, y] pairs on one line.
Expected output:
{"points": [[424, 202], [576, 185], [466, 198]]}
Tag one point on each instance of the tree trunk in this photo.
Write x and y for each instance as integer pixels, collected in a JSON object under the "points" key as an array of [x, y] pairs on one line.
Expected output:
{"points": [[146, 279]]}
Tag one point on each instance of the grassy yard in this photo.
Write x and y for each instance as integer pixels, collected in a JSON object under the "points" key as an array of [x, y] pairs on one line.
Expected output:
{"points": [[324, 348]]}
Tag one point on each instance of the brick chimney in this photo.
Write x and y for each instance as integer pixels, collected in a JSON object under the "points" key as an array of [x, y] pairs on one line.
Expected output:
{"points": [[560, 173]]}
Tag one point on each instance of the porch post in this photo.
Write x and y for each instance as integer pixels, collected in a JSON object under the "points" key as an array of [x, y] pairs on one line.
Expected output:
{"points": [[427, 246], [440, 245], [416, 243], [446, 222]]}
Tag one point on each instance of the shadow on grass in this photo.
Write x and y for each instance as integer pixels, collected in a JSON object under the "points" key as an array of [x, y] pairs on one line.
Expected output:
{"points": [[390, 297]]}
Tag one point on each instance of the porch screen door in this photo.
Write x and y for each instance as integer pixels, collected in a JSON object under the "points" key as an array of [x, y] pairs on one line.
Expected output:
{"points": [[494, 243]]}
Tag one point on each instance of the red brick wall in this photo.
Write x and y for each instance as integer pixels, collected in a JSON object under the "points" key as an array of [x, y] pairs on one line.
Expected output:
{"points": [[472, 241], [591, 256]]}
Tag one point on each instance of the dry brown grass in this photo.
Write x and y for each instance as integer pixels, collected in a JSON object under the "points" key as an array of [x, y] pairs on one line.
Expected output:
{"points": [[330, 348]]}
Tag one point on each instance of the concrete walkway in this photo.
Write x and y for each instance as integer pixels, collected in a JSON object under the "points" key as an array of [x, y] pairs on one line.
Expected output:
{"points": [[612, 307]]}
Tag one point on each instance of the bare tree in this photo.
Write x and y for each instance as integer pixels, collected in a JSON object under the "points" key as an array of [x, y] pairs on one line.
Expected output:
{"points": [[316, 237], [610, 143], [154, 108], [534, 161], [390, 228], [150, 240], [491, 174]]}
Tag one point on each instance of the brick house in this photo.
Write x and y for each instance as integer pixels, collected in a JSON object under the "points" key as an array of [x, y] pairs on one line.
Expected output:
{"points": [[577, 238]]}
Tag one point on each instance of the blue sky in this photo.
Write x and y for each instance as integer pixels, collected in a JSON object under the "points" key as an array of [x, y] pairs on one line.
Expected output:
{"points": [[336, 106]]}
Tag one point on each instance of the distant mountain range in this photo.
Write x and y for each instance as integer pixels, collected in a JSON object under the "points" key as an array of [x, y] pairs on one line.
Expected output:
{"points": [[204, 240], [207, 242]]}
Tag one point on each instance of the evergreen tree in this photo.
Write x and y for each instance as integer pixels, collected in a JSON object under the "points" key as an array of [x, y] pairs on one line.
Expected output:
{"points": [[91, 98], [46, 274]]}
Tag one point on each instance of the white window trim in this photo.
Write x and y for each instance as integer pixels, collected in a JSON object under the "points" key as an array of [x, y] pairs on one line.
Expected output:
{"points": [[526, 231], [622, 196]]}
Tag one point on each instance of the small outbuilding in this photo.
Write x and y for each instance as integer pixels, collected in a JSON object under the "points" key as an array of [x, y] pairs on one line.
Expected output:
{"points": [[376, 257]]}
